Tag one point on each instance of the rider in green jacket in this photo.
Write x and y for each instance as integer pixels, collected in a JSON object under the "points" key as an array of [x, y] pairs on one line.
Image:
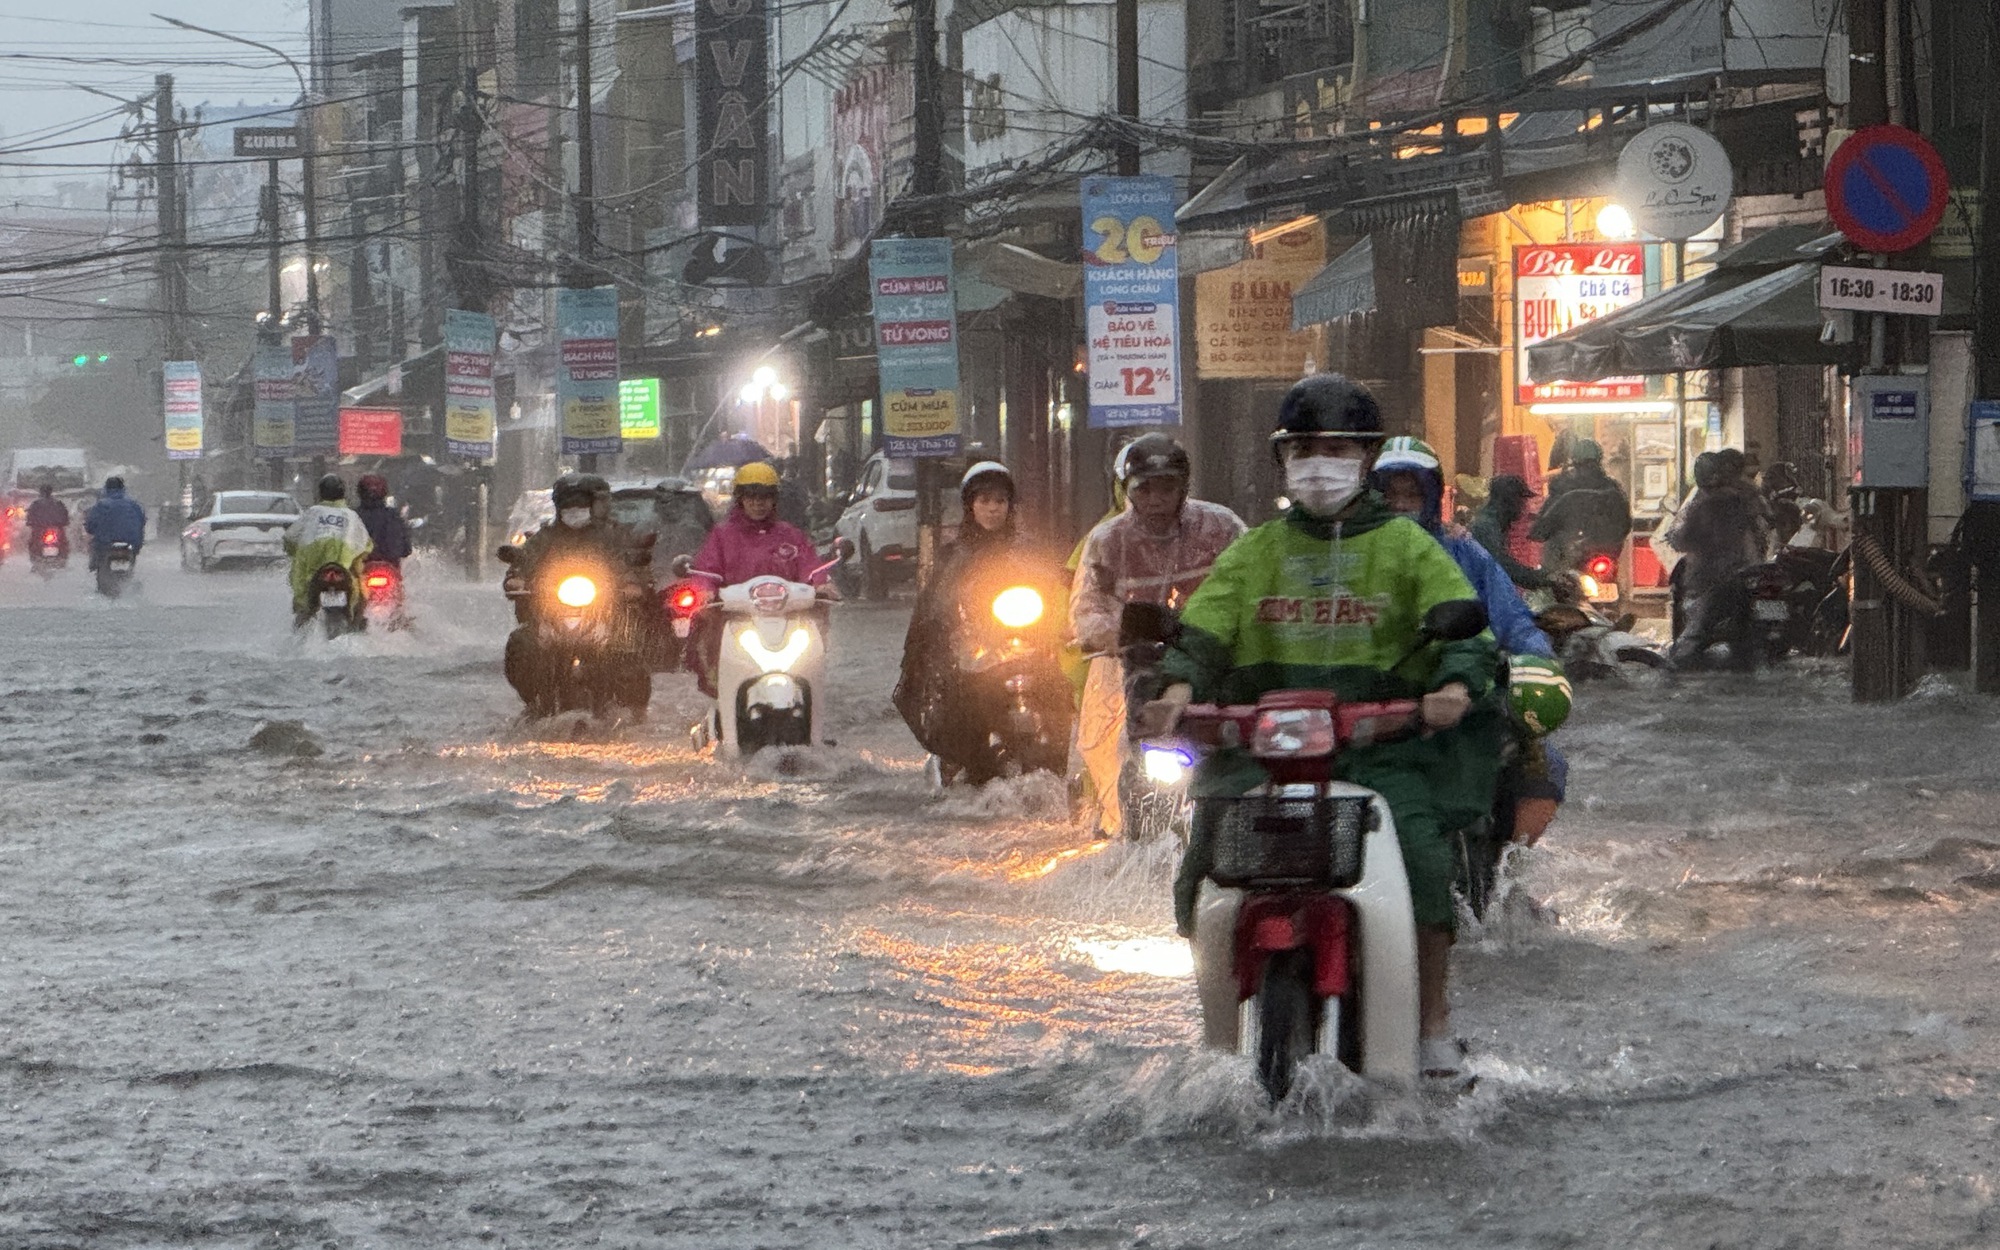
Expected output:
{"points": [[1331, 596]]}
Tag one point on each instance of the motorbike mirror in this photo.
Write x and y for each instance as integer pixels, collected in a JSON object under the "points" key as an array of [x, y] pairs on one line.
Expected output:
{"points": [[1142, 623], [681, 564], [508, 554], [843, 548], [1454, 620]]}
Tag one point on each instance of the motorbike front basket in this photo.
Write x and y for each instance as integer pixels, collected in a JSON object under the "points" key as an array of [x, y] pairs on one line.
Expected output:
{"points": [[1265, 841]]}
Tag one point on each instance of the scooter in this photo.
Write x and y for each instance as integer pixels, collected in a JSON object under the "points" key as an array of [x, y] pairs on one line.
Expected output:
{"points": [[1785, 597], [48, 553], [114, 569], [1153, 783], [382, 596], [1305, 941], [331, 597], [770, 673], [1589, 643], [1013, 688], [574, 647]]}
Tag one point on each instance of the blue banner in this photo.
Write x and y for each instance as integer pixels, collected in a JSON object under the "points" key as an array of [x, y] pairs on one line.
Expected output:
{"points": [[587, 373], [916, 344], [1131, 300], [316, 395]]}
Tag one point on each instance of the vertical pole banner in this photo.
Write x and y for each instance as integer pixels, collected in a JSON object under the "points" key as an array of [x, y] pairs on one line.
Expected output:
{"points": [[916, 344], [275, 417], [468, 384], [587, 375], [181, 384], [316, 377], [1131, 293]]}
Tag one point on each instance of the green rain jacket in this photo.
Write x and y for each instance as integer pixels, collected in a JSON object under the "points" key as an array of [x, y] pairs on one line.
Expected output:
{"points": [[326, 534]]}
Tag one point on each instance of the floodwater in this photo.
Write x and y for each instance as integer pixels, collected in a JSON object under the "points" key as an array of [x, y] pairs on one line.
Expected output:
{"points": [[309, 944]]}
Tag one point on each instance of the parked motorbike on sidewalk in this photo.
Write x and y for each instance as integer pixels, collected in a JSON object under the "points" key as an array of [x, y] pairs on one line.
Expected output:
{"points": [[114, 569], [577, 645], [1788, 603]]}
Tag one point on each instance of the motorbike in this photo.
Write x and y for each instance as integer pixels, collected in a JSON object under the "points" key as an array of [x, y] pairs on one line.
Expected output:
{"points": [[382, 596], [48, 552], [1588, 642], [333, 599], [1597, 580], [1305, 940], [1153, 783], [577, 644], [114, 569], [1789, 606], [769, 674], [1012, 688]]}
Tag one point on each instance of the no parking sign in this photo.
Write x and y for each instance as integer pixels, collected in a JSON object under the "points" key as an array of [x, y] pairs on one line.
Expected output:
{"points": [[1886, 188]]}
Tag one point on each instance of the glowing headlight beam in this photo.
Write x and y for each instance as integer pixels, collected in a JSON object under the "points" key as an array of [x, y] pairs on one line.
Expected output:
{"points": [[1166, 767], [576, 592], [779, 661], [1017, 607]]}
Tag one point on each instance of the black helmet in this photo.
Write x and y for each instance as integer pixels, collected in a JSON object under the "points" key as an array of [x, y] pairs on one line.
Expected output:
{"points": [[1328, 403], [1153, 455], [572, 490], [332, 488], [114, 483]]}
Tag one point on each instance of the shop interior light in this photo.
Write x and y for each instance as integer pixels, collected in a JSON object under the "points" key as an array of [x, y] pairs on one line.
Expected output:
{"points": [[1613, 222], [1608, 407]]}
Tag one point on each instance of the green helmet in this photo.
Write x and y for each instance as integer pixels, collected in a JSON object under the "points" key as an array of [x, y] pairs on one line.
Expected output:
{"points": [[1404, 452], [1539, 693]]}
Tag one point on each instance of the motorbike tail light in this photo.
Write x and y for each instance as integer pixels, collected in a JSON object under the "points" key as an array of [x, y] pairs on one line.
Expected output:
{"points": [[378, 581], [687, 599], [49, 536], [1293, 733], [1601, 567]]}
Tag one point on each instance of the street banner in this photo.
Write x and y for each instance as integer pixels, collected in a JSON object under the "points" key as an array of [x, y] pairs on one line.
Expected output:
{"points": [[1131, 297], [1559, 286], [587, 375], [181, 383], [371, 431], [916, 345], [1243, 313], [468, 384], [316, 382], [276, 413], [639, 408]]}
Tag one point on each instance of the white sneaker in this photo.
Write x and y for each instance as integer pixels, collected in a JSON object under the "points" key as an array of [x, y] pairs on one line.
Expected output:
{"points": [[1442, 1059]]}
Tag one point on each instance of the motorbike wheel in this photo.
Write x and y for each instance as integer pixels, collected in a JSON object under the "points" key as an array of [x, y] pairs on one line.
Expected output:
{"points": [[107, 583], [336, 623], [1477, 848], [1285, 1024], [637, 690]]}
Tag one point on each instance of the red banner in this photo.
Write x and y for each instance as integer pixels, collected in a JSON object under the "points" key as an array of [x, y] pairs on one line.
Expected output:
{"points": [[371, 432]]}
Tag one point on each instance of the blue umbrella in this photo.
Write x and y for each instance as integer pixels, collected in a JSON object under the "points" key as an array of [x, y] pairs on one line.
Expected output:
{"points": [[727, 453]]}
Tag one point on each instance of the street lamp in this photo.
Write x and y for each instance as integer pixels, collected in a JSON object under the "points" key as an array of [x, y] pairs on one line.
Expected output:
{"points": [[764, 386], [305, 158]]}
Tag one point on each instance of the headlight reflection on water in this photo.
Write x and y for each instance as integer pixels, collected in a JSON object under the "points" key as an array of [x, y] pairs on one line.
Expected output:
{"points": [[1168, 957]]}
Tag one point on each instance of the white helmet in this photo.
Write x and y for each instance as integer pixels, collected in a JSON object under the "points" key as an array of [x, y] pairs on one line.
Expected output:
{"points": [[983, 474]]}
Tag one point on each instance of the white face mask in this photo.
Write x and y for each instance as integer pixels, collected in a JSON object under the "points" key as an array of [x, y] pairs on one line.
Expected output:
{"points": [[1322, 485], [575, 518]]}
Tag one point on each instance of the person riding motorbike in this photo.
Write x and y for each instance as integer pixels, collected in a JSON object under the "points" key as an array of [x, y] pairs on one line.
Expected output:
{"points": [[1507, 497], [329, 532], [114, 519], [1074, 659], [385, 526], [1410, 480], [48, 513], [1331, 596], [1719, 532], [750, 542], [577, 533], [940, 703], [1158, 550], [1587, 512]]}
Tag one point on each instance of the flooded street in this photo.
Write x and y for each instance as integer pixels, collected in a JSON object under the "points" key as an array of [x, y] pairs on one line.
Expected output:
{"points": [[322, 945]]}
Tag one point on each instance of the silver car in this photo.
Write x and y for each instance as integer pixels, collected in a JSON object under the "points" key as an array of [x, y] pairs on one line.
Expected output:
{"points": [[239, 525]]}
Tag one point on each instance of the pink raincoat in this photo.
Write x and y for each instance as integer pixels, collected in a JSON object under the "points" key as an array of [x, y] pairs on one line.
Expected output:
{"points": [[740, 549]]}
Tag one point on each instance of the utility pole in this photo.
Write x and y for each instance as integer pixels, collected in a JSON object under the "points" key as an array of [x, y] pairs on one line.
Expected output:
{"points": [[1982, 521], [472, 289], [585, 273], [171, 267], [1126, 39]]}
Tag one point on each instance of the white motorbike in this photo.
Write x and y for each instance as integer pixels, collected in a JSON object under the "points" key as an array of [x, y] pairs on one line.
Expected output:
{"points": [[770, 675]]}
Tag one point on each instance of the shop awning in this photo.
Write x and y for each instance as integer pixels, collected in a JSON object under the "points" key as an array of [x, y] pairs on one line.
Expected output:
{"points": [[390, 385], [1346, 286], [1758, 306]]}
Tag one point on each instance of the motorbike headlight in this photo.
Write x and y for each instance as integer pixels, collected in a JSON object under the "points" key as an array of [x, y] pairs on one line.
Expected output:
{"points": [[1293, 733], [1165, 766], [1017, 607], [779, 661], [1588, 585], [576, 592]]}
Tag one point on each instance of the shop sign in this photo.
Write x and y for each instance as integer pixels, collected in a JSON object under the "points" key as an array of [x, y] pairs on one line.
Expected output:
{"points": [[1131, 299], [1243, 313], [315, 395], [371, 432], [275, 417], [1952, 240], [639, 408], [916, 344], [181, 385], [587, 373], [1560, 286], [468, 384], [731, 93], [1674, 179]]}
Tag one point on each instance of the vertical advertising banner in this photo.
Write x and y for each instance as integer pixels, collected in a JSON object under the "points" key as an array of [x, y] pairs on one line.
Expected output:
{"points": [[1131, 298], [639, 408], [468, 384], [916, 344], [587, 374], [181, 383], [276, 413], [1558, 287], [731, 84], [316, 383]]}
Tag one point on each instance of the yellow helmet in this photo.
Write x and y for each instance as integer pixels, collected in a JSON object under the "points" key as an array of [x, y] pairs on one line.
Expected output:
{"points": [[757, 474]]}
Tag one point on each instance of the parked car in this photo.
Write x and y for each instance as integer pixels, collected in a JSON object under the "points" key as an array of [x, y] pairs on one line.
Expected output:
{"points": [[239, 525], [881, 521]]}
